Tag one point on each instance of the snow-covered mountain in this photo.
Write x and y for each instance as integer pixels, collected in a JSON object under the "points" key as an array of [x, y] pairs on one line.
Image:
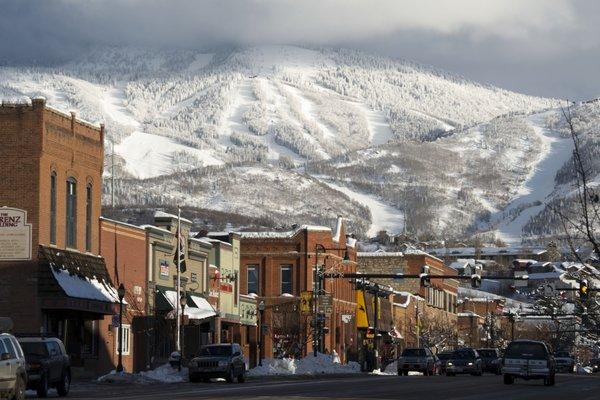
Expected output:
{"points": [[293, 133]]}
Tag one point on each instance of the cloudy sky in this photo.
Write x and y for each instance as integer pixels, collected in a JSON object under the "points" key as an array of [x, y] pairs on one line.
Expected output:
{"points": [[542, 47]]}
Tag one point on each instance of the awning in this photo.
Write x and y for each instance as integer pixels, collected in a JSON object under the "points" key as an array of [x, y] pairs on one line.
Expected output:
{"points": [[199, 309], [83, 287]]}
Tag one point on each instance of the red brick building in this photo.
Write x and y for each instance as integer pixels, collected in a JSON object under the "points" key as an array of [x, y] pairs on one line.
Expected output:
{"points": [[124, 249], [52, 277], [278, 268]]}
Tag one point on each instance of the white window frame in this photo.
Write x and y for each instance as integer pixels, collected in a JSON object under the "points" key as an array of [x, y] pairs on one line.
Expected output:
{"points": [[126, 342]]}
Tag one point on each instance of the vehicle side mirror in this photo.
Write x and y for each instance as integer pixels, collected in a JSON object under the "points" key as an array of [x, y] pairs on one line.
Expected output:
{"points": [[237, 353], [5, 356]]}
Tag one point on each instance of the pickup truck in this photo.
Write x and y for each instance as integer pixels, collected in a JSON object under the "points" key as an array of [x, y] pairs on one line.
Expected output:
{"points": [[416, 359]]}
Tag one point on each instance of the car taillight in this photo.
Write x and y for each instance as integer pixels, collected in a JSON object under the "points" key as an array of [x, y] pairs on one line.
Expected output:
{"points": [[35, 366]]}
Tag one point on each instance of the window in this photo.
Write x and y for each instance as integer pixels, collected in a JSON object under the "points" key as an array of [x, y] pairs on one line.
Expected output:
{"points": [[53, 208], [194, 277], [88, 217], [89, 336], [286, 279], [3, 349], [126, 337], [10, 349], [252, 279], [71, 213]]}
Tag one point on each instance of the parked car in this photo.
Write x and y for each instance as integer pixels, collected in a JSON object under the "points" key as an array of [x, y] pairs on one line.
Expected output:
{"points": [[528, 359], [491, 360], [444, 357], [48, 365], [464, 361], [416, 359], [595, 364], [13, 375], [564, 362], [218, 361]]}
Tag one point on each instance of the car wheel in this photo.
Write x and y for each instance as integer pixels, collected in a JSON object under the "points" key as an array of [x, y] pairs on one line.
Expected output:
{"points": [[229, 378], [19, 393], [42, 389], [509, 380], [206, 380], [65, 384], [450, 374], [549, 381], [242, 377], [405, 373], [194, 378]]}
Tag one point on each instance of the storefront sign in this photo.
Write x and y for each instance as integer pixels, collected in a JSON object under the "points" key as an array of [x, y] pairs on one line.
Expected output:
{"points": [[15, 235], [164, 268], [306, 302]]}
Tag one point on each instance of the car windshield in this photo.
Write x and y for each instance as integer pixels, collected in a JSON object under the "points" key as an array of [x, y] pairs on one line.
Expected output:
{"points": [[595, 361], [488, 353], [525, 350], [444, 356], [34, 349], [413, 353], [462, 354], [217, 351]]}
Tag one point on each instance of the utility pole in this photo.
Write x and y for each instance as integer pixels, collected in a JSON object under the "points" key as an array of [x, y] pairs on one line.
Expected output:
{"points": [[178, 304], [112, 175]]}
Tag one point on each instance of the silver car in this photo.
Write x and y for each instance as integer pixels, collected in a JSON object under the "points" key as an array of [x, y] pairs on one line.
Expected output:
{"points": [[418, 359], [13, 374], [218, 361]]}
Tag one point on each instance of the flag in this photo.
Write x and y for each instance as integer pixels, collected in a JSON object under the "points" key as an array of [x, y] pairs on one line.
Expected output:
{"points": [[180, 253]]}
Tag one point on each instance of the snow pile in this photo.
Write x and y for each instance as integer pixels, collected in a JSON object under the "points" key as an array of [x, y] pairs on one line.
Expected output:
{"points": [[163, 374], [310, 365], [166, 374], [581, 370]]}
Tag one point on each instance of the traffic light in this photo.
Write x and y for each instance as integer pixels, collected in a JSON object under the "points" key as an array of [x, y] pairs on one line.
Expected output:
{"points": [[475, 281], [583, 290]]}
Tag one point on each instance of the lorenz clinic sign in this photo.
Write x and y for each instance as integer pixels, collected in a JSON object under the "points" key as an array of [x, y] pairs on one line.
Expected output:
{"points": [[15, 235]]}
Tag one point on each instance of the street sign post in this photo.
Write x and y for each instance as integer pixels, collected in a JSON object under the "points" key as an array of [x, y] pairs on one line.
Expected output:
{"points": [[325, 304]]}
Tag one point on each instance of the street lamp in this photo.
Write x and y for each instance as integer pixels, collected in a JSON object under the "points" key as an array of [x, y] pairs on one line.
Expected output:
{"points": [[121, 293], [183, 302], [261, 309], [318, 286]]}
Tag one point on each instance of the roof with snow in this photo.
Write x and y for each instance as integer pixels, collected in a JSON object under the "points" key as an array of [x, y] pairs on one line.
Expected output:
{"points": [[164, 215], [379, 253], [486, 251]]}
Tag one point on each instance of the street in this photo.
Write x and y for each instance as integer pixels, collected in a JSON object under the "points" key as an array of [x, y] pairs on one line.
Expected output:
{"points": [[488, 387]]}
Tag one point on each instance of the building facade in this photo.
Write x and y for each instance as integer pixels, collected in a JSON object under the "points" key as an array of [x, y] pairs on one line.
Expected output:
{"points": [[54, 280], [277, 267]]}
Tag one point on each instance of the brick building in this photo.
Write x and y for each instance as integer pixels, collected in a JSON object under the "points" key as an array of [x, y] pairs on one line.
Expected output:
{"points": [[430, 312], [52, 277], [124, 249], [278, 268]]}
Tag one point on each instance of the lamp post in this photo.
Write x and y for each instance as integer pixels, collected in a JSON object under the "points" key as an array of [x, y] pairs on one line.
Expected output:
{"points": [[121, 293], [318, 286], [183, 302], [261, 309]]}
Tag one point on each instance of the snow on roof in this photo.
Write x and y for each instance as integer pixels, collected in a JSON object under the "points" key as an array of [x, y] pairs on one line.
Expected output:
{"points": [[114, 221], [202, 240], [379, 253], [488, 251], [412, 251], [156, 228], [162, 214], [283, 234], [83, 287], [351, 242], [468, 314]]}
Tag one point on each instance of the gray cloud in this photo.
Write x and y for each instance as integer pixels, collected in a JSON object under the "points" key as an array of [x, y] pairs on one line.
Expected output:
{"points": [[541, 47]]}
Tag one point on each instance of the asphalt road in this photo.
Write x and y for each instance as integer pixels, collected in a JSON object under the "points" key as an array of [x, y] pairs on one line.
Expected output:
{"points": [[488, 387]]}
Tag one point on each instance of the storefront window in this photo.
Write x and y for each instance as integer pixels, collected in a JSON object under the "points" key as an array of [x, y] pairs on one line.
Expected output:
{"points": [[71, 213]]}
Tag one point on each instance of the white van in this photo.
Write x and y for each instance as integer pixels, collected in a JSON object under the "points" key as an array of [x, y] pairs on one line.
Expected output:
{"points": [[13, 375]]}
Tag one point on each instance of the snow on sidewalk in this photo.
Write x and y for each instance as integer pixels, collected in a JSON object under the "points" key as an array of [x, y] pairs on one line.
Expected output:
{"points": [[163, 374], [310, 365]]}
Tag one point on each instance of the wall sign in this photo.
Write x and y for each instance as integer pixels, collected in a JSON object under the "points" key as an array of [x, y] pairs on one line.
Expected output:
{"points": [[164, 268], [15, 235]]}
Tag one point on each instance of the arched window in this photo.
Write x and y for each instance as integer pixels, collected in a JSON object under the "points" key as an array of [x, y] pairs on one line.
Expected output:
{"points": [[71, 215], [88, 217], [53, 208]]}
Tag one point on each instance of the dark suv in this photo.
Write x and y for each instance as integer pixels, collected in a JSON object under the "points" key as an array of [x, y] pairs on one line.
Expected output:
{"points": [[48, 365], [491, 360], [218, 361], [528, 359]]}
